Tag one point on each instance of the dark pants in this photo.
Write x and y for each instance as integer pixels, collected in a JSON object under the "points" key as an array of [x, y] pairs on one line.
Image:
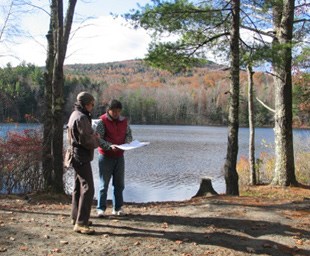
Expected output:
{"points": [[83, 192]]}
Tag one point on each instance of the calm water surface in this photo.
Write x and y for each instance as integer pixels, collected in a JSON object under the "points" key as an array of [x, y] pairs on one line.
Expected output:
{"points": [[171, 167]]}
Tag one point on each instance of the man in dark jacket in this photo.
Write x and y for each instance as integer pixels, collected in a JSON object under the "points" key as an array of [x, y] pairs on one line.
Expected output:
{"points": [[82, 141]]}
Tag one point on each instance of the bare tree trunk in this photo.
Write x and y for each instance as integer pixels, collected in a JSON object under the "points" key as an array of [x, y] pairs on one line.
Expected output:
{"points": [[284, 174], [53, 129], [58, 101], [231, 175], [253, 180]]}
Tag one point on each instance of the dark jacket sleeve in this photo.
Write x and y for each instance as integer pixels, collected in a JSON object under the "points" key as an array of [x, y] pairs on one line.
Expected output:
{"points": [[128, 138], [100, 129]]}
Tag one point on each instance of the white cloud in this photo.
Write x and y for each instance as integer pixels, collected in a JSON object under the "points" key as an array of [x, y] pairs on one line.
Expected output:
{"points": [[103, 39], [107, 39]]}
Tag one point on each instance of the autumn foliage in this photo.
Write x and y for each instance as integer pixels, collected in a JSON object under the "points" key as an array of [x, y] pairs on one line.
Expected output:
{"points": [[150, 96], [20, 161]]}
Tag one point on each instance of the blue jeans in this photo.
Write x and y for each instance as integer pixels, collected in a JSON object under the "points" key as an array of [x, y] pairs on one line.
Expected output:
{"points": [[110, 167]]}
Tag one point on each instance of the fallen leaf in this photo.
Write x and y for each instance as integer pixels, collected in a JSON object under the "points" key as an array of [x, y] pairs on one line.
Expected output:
{"points": [[250, 249], [56, 250], [164, 225], [267, 245], [208, 252], [23, 248], [3, 249]]}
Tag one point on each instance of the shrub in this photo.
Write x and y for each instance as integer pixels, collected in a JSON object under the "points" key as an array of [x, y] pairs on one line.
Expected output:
{"points": [[243, 169], [302, 159], [20, 162], [265, 164]]}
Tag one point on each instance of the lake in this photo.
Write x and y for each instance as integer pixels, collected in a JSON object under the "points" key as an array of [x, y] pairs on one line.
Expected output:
{"points": [[171, 167]]}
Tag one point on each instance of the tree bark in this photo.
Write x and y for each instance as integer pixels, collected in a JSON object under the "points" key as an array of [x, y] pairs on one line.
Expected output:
{"points": [[58, 102], [284, 173], [253, 180], [47, 158], [57, 47], [231, 175], [205, 188]]}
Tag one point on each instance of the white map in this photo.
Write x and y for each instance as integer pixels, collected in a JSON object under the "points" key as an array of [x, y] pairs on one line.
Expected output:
{"points": [[94, 123], [134, 144]]}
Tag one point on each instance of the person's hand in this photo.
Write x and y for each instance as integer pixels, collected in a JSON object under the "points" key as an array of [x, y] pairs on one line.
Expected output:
{"points": [[114, 148]]}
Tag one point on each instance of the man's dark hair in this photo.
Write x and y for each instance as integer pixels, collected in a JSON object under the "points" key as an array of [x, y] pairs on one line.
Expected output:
{"points": [[115, 104]]}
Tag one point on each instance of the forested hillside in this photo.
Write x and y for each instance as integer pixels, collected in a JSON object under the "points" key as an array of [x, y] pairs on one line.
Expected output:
{"points": [[149, 95]]}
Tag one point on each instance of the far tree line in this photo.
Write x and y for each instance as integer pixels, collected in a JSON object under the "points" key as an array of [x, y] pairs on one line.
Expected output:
{"points": [[149, 95]]}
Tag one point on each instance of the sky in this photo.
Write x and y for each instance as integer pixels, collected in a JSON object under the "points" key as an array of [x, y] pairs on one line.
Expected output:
{"points": [[99, 39]]}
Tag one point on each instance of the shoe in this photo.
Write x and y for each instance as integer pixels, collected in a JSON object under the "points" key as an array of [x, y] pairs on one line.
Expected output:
{"points": [[100, 213], [90, 223], [83, 229], [118, 212]]}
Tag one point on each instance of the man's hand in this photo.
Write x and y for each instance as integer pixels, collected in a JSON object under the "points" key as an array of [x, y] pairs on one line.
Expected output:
{"points": [[114, 148]]}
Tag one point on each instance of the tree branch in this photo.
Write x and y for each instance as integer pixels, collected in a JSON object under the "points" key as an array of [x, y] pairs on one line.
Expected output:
{"points": [[301, 20], [258, 31], [195, 49], [6, 20], [266, 106]]}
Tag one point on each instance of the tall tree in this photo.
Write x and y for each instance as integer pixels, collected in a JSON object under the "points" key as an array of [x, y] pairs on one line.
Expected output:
{"points": [[275, 20], [198, 27], [57, 38], [231, 175], [283, 18], [253, 179]]}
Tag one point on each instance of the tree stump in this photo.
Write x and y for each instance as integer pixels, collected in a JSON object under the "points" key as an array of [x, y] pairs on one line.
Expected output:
{"points": [[205, 188]]}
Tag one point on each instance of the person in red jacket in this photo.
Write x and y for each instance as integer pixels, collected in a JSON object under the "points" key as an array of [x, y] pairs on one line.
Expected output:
{"points": [[113, 130]]}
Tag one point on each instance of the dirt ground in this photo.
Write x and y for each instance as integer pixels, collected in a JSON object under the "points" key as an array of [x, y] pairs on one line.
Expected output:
{"points": [[263, 221]]}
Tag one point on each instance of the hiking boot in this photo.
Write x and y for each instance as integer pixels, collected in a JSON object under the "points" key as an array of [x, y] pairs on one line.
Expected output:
{"points": [[83, 229], [90, 223], [100, 213], [118, 212]]}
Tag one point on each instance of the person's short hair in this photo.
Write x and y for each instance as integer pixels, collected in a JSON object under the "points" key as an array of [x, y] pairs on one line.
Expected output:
{"points": [[84, 98], [114, 104]]}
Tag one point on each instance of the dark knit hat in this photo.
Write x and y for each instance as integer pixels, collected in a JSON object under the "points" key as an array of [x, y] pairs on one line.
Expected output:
{"points": [[85, 98]]}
